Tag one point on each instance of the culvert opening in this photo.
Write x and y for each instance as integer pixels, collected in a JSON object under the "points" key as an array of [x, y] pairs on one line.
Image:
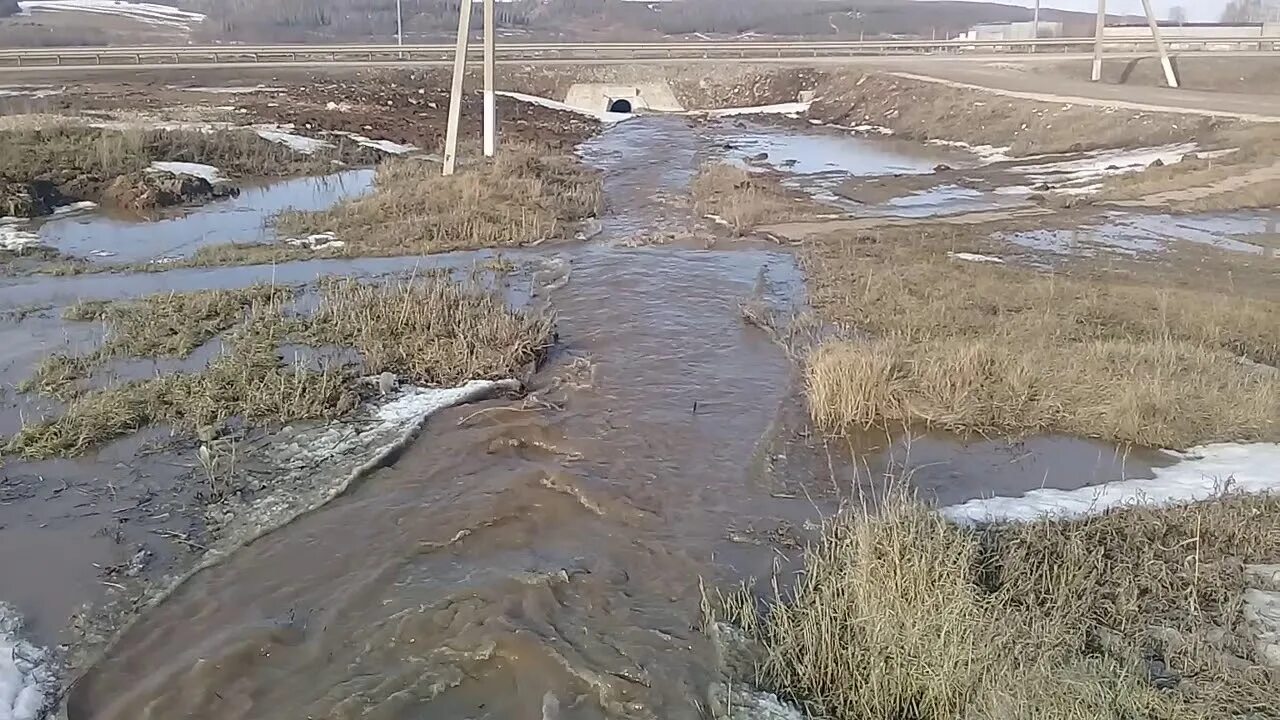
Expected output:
{"points": [[621, 105]]}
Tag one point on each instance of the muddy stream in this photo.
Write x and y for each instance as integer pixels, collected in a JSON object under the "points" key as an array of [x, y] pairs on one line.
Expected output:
{"points": [[544, 560]]}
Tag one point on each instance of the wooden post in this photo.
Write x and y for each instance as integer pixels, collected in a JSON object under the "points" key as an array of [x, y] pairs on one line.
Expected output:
{"points": [[490, 102], [1169, 76], [1097, 40], [455, 92]]}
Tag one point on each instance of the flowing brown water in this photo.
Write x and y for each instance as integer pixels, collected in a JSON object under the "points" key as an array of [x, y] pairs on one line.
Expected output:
{"points": [[537, 562]]}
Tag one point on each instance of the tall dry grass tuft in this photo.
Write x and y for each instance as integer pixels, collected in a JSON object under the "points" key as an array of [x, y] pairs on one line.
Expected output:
{"points": [[976, 347], [1135, 614], [742, 200], [429, 329], [526, 194]]}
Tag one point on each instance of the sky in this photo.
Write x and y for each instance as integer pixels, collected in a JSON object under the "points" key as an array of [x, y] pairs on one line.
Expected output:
{"points": [[1197, 10]]}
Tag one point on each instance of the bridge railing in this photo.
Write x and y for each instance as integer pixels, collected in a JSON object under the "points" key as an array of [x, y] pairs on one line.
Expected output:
{"points": [[373, 53]]}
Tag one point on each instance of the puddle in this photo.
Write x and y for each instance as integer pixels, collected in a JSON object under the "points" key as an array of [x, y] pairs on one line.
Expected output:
{"points": [[1253, 232], [241, 219]]}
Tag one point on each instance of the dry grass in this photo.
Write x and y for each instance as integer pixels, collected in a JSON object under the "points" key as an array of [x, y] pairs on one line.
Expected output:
{"points": [[741, 199], [425, 329], [527, 194], [429, 330], [977, 347], [900, 614]]}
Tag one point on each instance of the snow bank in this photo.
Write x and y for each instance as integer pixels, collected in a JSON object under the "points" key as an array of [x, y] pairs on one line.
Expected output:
{"points": [[601, 115], [208, 172], [791, 108], [28, 681], [1202, 473], [149, 13]]}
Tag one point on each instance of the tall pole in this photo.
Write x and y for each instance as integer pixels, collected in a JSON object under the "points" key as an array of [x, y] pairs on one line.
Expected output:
{"points": [[1097, 40], [455, 92], [490, 106], [399, 24], [1035, 25], [1169, 75]]}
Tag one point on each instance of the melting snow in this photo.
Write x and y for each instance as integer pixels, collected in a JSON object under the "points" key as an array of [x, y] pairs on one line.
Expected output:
{"points": [[232, 90], [418, 402], [300, 143], [208, 172], [319, 241], [385, 146], [602, 116], [986, 153], [149, 13], [27, 678], [974, 257], [1202, 473], [777, 109], [1105, 163], [872, 129], [13, 239]]}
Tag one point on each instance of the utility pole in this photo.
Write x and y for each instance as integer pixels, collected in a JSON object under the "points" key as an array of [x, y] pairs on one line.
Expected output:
{"points": [[399, 24], [490, 105], [1097, 40], [455, 92], [1035, 25], [1169, 75]]}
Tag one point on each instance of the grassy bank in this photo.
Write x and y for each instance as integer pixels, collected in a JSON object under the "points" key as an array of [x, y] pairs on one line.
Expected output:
{"points": [[526, 194], [936, 341], [1134, 614], [933, 111], [427, 330], [76, 162]]}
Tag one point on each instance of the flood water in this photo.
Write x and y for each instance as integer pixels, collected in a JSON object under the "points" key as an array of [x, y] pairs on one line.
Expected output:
{"points": [[242, 219], [545, 562], [1251, 232]]}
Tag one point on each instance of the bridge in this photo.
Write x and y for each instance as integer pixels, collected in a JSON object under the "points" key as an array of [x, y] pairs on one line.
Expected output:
{"points": [[599, 53]]}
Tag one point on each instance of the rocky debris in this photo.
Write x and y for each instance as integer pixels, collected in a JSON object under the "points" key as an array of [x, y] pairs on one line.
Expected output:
{"points": [[148, 190], [29, 199]]}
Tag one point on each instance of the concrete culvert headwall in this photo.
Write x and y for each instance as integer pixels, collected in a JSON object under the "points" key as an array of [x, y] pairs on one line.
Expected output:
{"points": [[598, 97]]}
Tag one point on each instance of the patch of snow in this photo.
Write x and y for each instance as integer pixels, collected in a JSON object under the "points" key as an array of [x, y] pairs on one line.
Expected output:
{"points": [[13, 239], [232, 90], [419, 403], [1014, 190], [872, 129], [601, 115], [385, 146], [145, 12], [975, 257], [28, 679], [1215, 154], [319, 241], [716, 219], [790, 108], [1106, 163], [985, 153], [208, 172], [1202, 473], [101, 253], [74, 207], [299, 143], [1079, 189], [338, 106], [31, 91]]}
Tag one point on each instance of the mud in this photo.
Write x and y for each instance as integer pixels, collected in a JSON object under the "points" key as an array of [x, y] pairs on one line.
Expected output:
{"points": [[146, 191]]}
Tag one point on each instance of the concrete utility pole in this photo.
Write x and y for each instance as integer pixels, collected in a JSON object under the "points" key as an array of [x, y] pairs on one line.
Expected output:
{"points": [[1169, 76], [399, 24], [455, 92], [1035, 25], [490, 105], [1097, 40]]}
